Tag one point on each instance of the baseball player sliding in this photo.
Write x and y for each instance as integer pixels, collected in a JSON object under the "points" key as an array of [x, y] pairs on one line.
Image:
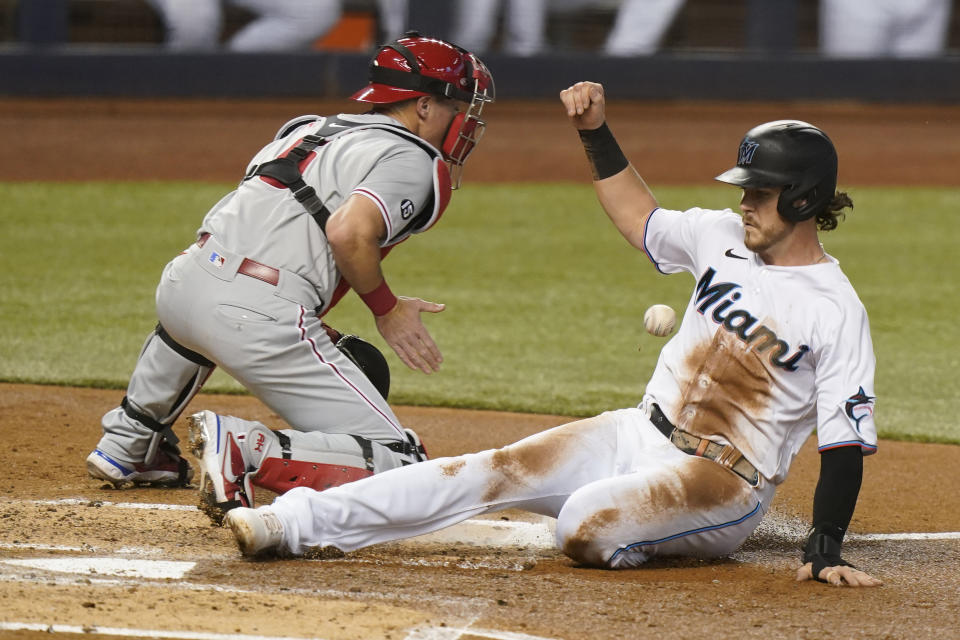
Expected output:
{"points": [[317, 211], [774, 343]]}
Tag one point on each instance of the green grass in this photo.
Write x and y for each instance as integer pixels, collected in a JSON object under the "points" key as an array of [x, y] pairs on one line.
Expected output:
{"points": [[544, 299]]}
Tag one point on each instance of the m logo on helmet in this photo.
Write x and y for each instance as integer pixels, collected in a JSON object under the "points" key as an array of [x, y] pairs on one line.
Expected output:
{"points": [[745, 154]]}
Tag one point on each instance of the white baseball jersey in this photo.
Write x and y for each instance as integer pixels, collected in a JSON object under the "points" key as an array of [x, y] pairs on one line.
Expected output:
{"points": [[764, 354]]}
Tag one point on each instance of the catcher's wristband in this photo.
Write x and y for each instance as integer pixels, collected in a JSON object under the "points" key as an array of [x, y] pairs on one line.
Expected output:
{"points": [[381, 300], [605, 156]]}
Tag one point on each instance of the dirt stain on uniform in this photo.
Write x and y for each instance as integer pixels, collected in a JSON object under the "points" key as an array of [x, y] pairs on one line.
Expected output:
{"points": [[453, 468], [519, 463], [700, 484], [727, 383], [580, 545]]}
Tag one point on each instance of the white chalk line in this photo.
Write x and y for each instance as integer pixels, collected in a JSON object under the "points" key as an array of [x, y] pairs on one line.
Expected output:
{"points": [[110, 566], [88, 502], [136, 633], [454, 633], [86, 548], [444, 633], [944, 535], [430, 633]]}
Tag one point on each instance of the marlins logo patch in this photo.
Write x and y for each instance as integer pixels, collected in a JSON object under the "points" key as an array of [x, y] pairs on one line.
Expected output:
{"points": [[859, 406], [745, 156], [406, 209]]}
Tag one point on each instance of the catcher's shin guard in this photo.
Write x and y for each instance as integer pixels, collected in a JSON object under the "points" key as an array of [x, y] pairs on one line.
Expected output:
{"points": [[235, 455], [322, 460], [167, 377], [318, 461], [138, 443], [279, 475]]}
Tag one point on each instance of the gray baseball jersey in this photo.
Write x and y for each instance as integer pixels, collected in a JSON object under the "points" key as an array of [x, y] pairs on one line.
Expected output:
{"points": [[248, 294]]}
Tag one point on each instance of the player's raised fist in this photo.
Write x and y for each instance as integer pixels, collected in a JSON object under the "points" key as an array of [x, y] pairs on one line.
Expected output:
{"points": [[584, 103]]}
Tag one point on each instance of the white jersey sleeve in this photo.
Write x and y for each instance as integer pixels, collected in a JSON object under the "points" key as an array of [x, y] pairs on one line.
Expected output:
{"points": [[672, 239], [844, 380]]}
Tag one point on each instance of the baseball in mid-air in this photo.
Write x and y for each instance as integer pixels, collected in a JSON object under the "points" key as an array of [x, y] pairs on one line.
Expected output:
{"points": [[660, 320]]}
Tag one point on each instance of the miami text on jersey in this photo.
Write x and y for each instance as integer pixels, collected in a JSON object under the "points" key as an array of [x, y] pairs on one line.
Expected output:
{"points": [[740, 322]]}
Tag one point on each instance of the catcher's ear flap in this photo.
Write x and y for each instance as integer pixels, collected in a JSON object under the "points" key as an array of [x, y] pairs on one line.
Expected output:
{"points": [[369, 359]]}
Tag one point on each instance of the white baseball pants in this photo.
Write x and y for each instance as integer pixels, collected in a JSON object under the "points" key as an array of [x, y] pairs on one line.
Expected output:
{"points": [[621, 493]]}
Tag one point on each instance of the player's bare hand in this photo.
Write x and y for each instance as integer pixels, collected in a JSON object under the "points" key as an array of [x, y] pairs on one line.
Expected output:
{"points": [[585, 104], [839, 576], [403, 330]]}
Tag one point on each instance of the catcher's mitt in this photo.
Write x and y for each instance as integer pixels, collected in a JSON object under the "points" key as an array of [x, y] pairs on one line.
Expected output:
{"points": [[366, 356]]}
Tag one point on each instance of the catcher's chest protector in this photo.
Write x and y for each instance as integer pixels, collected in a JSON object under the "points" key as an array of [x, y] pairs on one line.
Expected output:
{"points": [[287, 171]]}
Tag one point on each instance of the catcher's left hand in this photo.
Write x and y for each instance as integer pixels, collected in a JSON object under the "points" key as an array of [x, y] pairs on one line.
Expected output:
{"points": [[839, 576]]}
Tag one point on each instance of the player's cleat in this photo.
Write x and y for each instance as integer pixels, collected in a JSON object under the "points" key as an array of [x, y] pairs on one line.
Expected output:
{"points": [[224, 482], [168, 469], [258, 531]]}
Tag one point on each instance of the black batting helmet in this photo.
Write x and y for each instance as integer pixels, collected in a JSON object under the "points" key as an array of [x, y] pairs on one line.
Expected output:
{"points": [[791, 154]]}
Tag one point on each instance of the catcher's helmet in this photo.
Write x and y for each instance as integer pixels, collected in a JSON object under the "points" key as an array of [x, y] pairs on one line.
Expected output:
{"points": [[369, 359], [416, 66], [791, 154]]}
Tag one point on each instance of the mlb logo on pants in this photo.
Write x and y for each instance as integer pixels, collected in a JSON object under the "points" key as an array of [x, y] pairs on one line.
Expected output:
{"points": [[217, 259]]}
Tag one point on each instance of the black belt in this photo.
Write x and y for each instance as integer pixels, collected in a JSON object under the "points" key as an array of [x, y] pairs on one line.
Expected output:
{"points": [[725, 455]]}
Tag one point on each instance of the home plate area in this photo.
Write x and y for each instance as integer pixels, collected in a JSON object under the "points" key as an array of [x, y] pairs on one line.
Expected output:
{"points": [[155, 570]]}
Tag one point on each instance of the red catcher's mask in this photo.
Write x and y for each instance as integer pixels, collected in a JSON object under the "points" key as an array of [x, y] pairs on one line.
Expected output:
{"points": [[416, 66]]}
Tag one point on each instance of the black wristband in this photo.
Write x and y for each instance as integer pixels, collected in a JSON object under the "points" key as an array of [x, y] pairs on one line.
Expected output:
{"points": [[822, 550], [603, 152]]}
